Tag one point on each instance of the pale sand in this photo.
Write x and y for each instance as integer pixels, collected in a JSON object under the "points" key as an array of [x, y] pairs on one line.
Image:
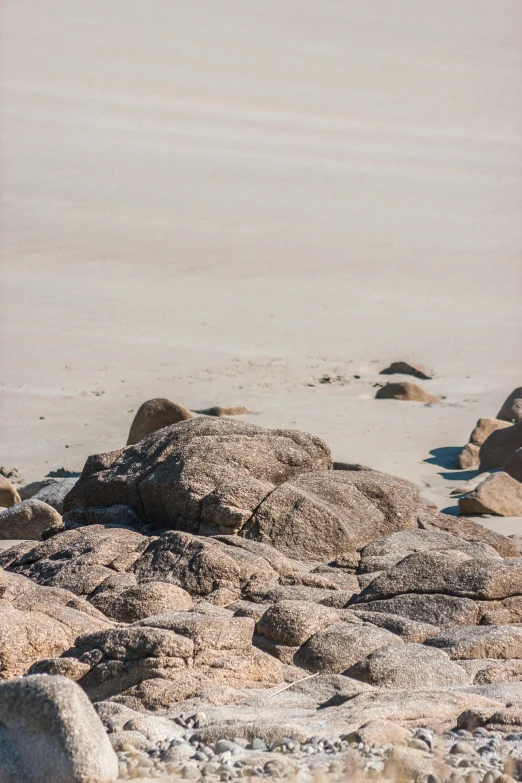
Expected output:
{"points": [[219, 202]]}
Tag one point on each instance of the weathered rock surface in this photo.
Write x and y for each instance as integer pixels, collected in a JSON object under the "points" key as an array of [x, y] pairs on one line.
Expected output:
{"points": [[482, 641], [37, 622], [113, 516], [8, 494], [511, 409], [54, 492], [467, 529], [513, 465], [449, 572], [432, 608], [409, 630], [407, 368], [499, 446], [408, 666], [50, 732], [137, 602], [469, 456], [153, 415], [405, 390], [341, 645], [498, 494], [28, 519]]}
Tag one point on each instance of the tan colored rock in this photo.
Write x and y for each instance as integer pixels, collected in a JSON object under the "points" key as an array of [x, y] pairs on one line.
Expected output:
{"points": [[461, 527], [407, 368], [481, 641], [499, 494], [513, 465], [154, 415], [293, 622], [341, 645], [434, 609], [221, 410], [50, 732], [469, 456], [8, 494], [408, 666], [407, 391], [28, 519], [499, 446], [511, 409], [380, 732], [145, 600]]}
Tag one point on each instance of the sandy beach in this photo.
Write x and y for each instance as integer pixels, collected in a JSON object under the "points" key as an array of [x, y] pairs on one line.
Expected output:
{"points": [[232, 202]]}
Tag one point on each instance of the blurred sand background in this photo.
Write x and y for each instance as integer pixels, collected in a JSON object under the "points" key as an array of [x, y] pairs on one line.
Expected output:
{"points": [[225, 202]]}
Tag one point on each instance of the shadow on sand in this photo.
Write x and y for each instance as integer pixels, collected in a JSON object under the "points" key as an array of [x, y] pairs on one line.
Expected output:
{"points": [[444, 457]]}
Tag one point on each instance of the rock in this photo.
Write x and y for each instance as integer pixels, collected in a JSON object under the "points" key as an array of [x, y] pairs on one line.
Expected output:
{"points": [[450, 572], [317, 515], [78, 560], [406, 368], [382, 554], [50, 732], [467, 529], [203, 475], [341, 645], [201, 565], [485, 672], [499, 494], [282, 652], [153, 415], [511, 409], [28, 519], [137, 602], [435, 609], [482, 641], [413, 764], [381, 732], [54, 493], [408, 666], [469, 456], [220, 410], [8, 494], [499, 446], [513, 465], [409, 630], [28, 491], [293, 622], [405, 390]]}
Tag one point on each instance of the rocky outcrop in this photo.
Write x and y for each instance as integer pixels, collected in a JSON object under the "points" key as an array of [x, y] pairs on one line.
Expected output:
{"points": [[28, 519], [466, 529], [50, 732], [513, 465], [408, 666], [469, 457], [153, 415], [406, 391]]}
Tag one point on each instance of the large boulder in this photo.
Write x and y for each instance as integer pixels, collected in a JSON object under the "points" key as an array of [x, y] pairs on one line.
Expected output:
{"points": [[50, 732], [77, 560], [448, 572], [469, 456], [292, 623], [319, 515], [498, 494], [406, 391], [54, 493], [28, 519], [434, 609], [511, 409], [153, 415], [341, 645], [408, 666], [499, 445], [139, 601], [8, 494], [513, 465], [202, 475]]}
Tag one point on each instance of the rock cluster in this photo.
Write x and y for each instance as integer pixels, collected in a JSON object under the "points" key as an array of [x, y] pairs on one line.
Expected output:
{"points": [[234, 607], [495, 444]]}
